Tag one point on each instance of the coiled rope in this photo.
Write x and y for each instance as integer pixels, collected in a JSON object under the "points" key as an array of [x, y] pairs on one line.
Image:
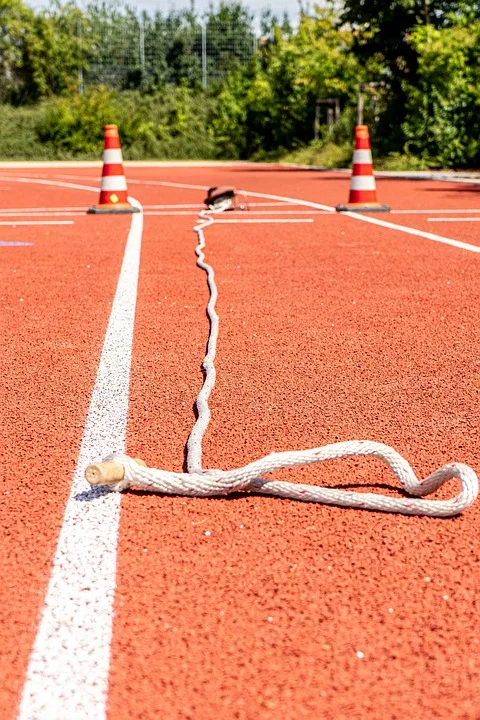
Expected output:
{"points": [[211, 483]]}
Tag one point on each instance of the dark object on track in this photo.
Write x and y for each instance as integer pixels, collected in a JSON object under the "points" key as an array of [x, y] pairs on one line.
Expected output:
{"points": [[221, 198]]}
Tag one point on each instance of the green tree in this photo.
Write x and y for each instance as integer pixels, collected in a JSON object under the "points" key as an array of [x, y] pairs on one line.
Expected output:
{"points": [[54, 51], [443, 107], [16, 25], [270, 106], [40, 52]]}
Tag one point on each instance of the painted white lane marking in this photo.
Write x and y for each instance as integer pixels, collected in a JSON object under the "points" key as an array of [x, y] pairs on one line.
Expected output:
{"points": [[170, 184], [173, 213], [377, 221], [280, 212], [365, 218], [450, 219], [269, 204], [263, 220], [55, 183], [46, 213], [43, 209], [267, 196], [78, 211], [67, 676], [7, 243], [238, 212], [434, 212], [295, 201], [414, 231], [183, 206], [14, 223]]}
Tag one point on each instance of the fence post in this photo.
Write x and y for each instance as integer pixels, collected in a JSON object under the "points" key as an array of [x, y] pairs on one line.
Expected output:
{"points": [[316, 122], [80, 67], [142, 43], [204, 56], [360, 105]]}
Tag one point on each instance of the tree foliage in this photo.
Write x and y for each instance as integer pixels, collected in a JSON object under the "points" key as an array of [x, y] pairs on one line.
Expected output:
{"points": [[265, 95], [271, 104], [443, 107]]}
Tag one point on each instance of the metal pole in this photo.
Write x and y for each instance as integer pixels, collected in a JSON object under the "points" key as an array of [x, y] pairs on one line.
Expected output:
{"points": [[80, 67], [330, 120], [316, 123], [204, 57], [360, 106], [142, 44]]}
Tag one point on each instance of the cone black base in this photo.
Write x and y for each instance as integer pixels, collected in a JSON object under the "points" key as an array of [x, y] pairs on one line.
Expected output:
{"points": [[362, 208], [111, 210]]}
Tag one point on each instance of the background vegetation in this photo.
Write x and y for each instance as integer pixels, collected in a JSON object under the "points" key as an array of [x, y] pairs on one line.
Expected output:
{"points": [[65, 72]]}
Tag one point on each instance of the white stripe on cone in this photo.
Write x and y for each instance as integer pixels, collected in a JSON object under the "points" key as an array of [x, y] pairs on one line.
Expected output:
{"points": [[362, 182], [112, 157], [113, 182], [362, 157]]}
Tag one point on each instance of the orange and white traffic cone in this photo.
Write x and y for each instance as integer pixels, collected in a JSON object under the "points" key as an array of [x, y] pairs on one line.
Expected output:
{"points": [[363, 191], [113, 187]]}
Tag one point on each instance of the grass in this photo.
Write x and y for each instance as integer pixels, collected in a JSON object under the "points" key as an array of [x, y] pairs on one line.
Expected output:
{"points": [[328, 155], [332, 155]]}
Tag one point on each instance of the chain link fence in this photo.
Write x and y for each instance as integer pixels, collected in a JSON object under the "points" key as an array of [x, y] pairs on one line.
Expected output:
{"points": [[140, 52]]}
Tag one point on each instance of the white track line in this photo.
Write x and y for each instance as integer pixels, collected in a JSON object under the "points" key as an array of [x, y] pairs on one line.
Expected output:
{"points": [[42, 209], [14, 223], [418, 233], [184, 206], [263, 220], [358, 217], [457, 219], [67, 677], [294, 201], [44, 213], [13, 243], [55, 183], [172, 213], [281, 212], [433, 212]]}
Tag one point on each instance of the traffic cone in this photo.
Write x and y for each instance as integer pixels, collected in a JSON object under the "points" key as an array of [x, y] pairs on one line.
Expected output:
{"points": [[113, 187], [363, 191]]}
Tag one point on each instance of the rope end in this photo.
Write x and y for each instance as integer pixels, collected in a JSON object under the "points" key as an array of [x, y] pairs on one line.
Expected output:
{"points": [[104, 473], [107, 473]]}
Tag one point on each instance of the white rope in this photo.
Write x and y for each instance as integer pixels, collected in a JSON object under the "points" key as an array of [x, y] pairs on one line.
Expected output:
{"points": [[194, 444], [212, 483]]}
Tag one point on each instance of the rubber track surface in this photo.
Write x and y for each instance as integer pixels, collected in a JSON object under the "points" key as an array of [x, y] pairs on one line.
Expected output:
{"points": [[55, 301], [253, 607]]}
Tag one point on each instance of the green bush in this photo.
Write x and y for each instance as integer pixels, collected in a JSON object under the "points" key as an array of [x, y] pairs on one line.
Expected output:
{"points": [[74, 125], [166, 125], [444, 106], [18, 136]]}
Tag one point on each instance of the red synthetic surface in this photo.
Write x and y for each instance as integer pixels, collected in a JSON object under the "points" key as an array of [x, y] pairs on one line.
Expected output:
{"points": [[329, 331], [55, 302]]}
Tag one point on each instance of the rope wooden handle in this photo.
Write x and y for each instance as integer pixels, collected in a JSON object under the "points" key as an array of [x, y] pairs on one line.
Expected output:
{"points": [[107, 473]]}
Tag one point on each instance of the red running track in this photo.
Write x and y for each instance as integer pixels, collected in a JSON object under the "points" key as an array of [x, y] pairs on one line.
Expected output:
{"points": [[330, 330]]}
